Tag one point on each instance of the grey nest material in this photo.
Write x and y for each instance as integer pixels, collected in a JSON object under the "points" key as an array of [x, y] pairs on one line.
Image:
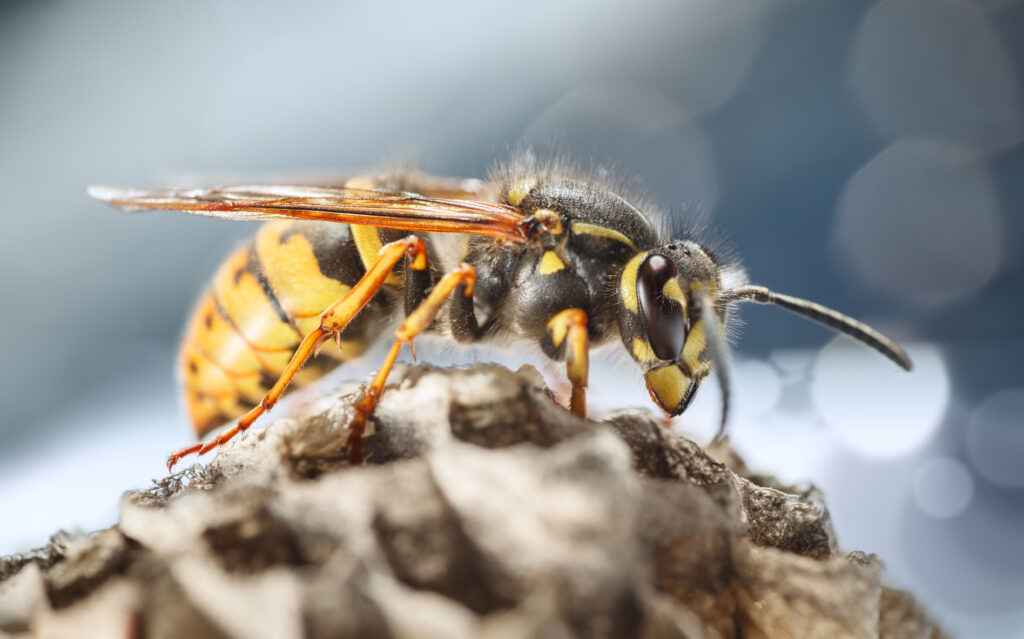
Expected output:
{"points": [[484, 510]]}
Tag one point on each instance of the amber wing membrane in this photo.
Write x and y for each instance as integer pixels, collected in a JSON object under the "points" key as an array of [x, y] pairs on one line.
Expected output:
{"points": [[268, 294], [387, 209]]}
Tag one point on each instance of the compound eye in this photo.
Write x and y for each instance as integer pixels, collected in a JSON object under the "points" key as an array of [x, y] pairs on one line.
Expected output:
{"points": [[666, 329]]}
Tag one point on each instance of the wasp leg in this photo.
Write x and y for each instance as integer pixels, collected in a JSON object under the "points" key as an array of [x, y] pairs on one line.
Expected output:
{"points": [[462, 320], [417, 321], [569, 327], [332, 322]]}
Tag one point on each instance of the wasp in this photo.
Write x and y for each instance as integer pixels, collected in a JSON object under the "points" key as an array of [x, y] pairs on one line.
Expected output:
{"points": [[545, 254]]}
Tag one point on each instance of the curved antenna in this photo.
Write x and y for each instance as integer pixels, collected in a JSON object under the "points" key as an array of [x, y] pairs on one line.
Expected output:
{"points": [[823, 315], [719, 361]]}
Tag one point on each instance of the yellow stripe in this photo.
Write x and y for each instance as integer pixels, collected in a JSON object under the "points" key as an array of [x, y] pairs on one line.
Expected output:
{"points": [[550, 220], [550, 263], [367, 239], [627, 283], [585, 228], [642, 350], [368, 243], [294, 273], [219, 341], [671, 290], [518, 191], [559, 329], [200, 374], [696, 343], [203, 412], [697, 339], [249, 308]]}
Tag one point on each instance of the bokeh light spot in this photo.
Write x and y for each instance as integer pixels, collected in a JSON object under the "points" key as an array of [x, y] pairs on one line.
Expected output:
{"points": [[995, 438], [937, 67], [942, 488], [757, 387], [875, 408], [922, 221]]}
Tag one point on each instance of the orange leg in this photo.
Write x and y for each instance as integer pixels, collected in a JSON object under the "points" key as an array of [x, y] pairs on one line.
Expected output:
{"points": [[571, 325], [414, 324], [332, 322]]}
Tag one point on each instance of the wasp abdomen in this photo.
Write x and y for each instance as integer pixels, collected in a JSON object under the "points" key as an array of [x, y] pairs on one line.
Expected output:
{"points": [[264, 298]]}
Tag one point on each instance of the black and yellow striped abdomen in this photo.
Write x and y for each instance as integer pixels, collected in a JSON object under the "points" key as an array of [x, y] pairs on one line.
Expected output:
{"points": [[263, 299]]}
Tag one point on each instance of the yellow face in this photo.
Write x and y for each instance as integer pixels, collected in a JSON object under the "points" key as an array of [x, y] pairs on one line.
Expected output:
{"points": [[662, 326], [670, 388]]}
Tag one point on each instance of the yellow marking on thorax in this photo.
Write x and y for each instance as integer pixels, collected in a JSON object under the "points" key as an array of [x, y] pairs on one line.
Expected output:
{"points": [[302, 290], [368, 243], [585, 228], [367, 238], [252, 312], [559, 328], [518, 191], [669, 384], [627, 283], [551, 221], [642, 350], [550, 263]]}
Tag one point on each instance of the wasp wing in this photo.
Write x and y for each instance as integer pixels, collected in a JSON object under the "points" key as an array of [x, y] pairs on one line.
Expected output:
{"points": [[431, 186], [389, 209], [398, 180]]}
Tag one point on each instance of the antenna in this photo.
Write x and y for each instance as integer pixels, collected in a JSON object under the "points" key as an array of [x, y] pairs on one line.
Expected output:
{"points": [[823, 315]]}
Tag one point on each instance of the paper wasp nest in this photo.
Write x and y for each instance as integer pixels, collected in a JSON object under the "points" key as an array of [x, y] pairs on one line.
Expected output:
{"points": [[484, 510]]}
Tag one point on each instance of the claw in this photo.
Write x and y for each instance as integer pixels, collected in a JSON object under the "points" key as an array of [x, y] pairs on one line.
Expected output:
{"points": [[323, 340], [176, 456]]}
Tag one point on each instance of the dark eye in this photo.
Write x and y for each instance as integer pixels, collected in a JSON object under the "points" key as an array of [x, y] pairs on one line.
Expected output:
{"points": [[664, 315]]}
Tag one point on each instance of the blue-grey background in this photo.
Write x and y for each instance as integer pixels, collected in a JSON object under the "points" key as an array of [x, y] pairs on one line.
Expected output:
{"points": [[867, 155]]}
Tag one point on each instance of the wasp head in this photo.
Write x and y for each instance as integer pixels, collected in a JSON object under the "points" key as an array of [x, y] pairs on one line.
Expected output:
{"points": [[670, 319], [672, 312]]}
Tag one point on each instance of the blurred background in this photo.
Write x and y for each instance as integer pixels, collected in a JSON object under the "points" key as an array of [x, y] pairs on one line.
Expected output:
{"points": [[865, 155]]}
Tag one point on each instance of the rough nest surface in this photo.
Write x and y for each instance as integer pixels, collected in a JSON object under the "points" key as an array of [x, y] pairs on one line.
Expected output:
{"points": [[484, 510]]}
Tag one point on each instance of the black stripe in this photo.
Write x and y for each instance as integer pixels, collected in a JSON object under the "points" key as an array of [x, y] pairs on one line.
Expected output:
{"points": [[258, 271], [333, 247]]}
